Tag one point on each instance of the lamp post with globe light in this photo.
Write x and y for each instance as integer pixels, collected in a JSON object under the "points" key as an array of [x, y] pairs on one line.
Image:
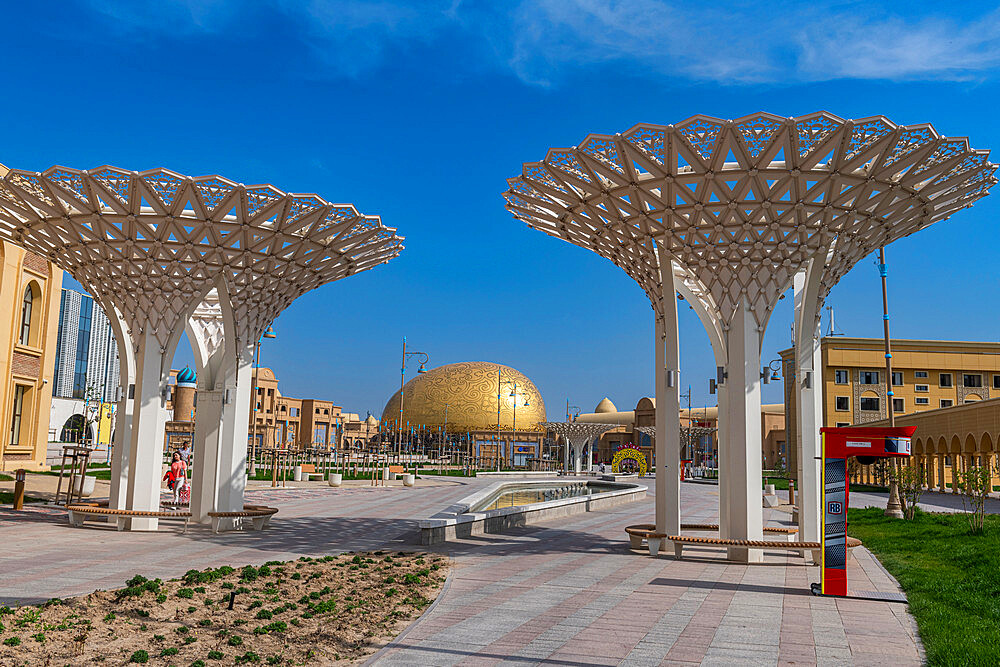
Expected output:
{"points": [[402, 380], [513, 395], [268, 333]]}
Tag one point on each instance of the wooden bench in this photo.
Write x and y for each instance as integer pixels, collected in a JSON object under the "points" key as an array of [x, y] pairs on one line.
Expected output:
{"points": [[80, 513], [259, 515], [396, 470], [646, 531], [309, 471], [814, 547]]}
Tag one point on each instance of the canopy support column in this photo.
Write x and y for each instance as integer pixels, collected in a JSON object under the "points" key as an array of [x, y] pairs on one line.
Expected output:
{"points": [[235, 427], [668, 436], [809, 399], [743, 434], [148, 421]]}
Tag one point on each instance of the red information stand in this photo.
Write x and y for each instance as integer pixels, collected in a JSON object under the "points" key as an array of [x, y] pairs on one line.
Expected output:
{"points": [[839, 444]]}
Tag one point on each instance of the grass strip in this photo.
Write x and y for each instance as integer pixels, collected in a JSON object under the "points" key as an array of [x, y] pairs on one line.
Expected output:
{"points": [[950, 577]]}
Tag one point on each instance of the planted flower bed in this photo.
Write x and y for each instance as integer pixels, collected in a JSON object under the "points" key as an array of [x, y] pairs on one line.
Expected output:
{"points": [[313, 610]]}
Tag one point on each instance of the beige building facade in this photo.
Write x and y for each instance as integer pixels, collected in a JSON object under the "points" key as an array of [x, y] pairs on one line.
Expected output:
{"points": [[928, 375], [30, 288]]}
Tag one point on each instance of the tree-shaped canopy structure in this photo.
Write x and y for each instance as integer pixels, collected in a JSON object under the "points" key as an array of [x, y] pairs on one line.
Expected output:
{"points": [[162, 252], [731, 214]]}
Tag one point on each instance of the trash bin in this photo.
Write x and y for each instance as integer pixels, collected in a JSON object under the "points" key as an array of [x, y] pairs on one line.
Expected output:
{"points": [[297, 473]]}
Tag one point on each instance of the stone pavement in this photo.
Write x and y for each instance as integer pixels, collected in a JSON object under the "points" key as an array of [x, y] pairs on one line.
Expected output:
{"points": [[568, 592]]}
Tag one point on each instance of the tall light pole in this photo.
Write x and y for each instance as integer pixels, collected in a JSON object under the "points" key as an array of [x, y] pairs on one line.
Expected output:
{"points": [[268, 333], [893, 507], [402, 381], [513, 394]]}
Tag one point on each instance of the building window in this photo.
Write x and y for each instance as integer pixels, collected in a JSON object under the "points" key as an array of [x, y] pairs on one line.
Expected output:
{"points": [[15, 422], [972, 380], [897, 379], [843, 403], [944, 380], [842, 424], [869, 403], [996, 381], [920, 375], [921, 400], [947, 402], [869, 377], [840, 377], [921, 387], [897, 405], [29, 297]]}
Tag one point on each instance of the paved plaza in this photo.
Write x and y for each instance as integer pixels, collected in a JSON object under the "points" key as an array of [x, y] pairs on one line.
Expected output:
{"points": [[568, 592]]}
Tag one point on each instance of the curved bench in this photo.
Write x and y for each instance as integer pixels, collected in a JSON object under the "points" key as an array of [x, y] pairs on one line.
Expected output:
{"points": [[680, 540], [79, 513], [259, 515], [647, 531]]}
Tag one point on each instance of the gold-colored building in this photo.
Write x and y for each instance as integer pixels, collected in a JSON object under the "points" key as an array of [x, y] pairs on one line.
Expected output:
{"points": [[30, 288], [927, 375], [469, 397]]}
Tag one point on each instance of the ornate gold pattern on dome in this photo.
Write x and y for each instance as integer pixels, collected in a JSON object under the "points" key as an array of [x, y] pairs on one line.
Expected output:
{"points": [[469, 389]]}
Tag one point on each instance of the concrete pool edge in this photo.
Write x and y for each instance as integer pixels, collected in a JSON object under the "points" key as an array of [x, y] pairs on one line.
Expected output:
{"points": [[456, 521]]}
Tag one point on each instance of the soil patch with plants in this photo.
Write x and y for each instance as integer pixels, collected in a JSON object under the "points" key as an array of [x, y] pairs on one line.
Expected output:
{"points": [[327, 610]]}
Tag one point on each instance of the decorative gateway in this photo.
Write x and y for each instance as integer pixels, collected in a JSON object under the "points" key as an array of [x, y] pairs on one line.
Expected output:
{"points": [[628, 453]]}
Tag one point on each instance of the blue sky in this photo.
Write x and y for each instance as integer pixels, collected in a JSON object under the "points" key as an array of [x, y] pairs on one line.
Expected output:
{"points": [[418, 112]]}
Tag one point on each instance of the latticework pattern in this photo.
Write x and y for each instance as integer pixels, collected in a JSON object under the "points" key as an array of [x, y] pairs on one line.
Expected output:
{"points": [[577, 432], [154, 243], [741, 205]]}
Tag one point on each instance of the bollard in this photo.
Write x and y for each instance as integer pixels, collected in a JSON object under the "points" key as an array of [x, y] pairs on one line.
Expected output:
{"points": [[19, 477], [791, 492]]}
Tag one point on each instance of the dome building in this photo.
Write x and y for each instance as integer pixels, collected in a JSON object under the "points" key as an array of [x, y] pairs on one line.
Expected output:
{"points": [[464, 399]]}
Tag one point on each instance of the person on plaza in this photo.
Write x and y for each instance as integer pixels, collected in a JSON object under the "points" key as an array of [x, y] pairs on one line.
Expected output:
{"points": [[178, 475], [185, 452]]}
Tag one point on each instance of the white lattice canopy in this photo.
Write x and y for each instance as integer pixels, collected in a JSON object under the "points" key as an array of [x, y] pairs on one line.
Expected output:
{"points": [[741, 205], [154, 243]]}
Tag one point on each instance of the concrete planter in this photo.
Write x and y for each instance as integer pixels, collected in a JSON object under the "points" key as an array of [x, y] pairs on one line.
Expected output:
{"points": [[88, 486], [336, 479], [297, 473], [409, 480]]}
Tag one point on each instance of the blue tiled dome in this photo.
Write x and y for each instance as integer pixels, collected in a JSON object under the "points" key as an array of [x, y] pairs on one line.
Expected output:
{"points": [[186, 376]]}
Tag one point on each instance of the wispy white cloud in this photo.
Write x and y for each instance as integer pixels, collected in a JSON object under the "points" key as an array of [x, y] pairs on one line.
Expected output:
{"points": [[544, 42]]}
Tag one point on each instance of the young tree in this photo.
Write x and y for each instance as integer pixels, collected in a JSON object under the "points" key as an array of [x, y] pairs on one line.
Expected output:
{"points": [[975, 486], [911, 487]]}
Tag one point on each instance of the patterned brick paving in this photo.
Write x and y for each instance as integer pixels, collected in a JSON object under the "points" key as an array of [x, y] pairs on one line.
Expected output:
{"points": [[566, 593]]}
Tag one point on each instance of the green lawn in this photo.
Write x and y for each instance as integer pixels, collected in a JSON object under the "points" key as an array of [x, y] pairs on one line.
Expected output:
{"points": [[7, 498], [950, 576]]}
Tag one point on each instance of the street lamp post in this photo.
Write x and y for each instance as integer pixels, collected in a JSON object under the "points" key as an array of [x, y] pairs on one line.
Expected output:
{"points": [[513, 395], [268, 333], [402, 381]]}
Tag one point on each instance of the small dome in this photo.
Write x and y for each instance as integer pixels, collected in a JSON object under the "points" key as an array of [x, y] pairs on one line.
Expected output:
{"points": [[186, 376], [605, 406], [371, 420]]}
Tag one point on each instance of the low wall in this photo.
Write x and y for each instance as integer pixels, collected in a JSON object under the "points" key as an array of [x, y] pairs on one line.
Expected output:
{"points": [[457, 522], [537, 474]]}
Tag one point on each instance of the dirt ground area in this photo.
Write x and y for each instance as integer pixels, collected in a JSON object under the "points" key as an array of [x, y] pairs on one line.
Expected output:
{"points": [[329, 610]]}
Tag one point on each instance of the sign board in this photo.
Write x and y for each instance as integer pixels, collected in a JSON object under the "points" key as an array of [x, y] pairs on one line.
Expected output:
{"points": [[839, 444]]}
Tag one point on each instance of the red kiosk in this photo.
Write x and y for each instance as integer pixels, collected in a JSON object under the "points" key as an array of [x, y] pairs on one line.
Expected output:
{"points": [[839, 444]]}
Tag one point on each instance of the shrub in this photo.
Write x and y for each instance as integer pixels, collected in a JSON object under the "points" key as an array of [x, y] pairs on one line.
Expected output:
{"points": [[12, 641], [192, 609], [247, 657], [190, 640], [411, 578], [185, 593], [39, 637], [235, 640], [264, 615], [205, 622], [199, 589], [248, 574], [198, 663], [215, 655], [161, 598], [173, 650], [911, 487], [389, 593], [110, 616], [183, 630], [975, 485], [276, 626], [139, 656]]}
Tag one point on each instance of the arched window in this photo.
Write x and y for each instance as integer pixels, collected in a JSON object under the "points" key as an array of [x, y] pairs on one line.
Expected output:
{"points": [[29, 297]]}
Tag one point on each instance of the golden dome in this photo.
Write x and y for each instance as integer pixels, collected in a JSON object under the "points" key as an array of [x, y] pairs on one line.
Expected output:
{"points": [[470, 391]]}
